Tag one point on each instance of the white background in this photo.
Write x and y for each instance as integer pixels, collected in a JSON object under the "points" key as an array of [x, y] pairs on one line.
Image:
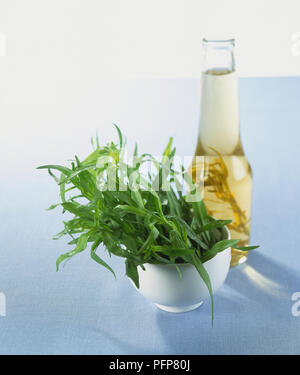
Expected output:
{"points": [[67, 63], [149, 38]]}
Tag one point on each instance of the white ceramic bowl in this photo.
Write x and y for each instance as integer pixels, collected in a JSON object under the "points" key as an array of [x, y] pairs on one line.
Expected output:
{"points": [[161, 283]]}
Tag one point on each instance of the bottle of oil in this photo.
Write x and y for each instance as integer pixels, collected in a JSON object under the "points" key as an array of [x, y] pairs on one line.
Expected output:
{"points": [[219, 166]]}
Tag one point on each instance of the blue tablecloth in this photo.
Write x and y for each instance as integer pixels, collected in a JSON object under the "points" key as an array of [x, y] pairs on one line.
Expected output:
{"points": [[84, 310]]}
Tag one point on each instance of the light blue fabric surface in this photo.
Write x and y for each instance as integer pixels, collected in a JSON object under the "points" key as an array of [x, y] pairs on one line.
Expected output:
{"points": [[83, 310]]}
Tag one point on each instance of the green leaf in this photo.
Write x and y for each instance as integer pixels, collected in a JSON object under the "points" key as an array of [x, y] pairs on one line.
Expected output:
{"points": [[53, 176], [137, 198], [133, 210], [214, 224], [78, 210], [66, 171], [97, 259], [224, 244], [53, 206], [81, 245], [167, 150], [120, 135], [192, 234], [132, 272], [205, 277], [77, 172], [151, 238], [62, 189], [60, 234], [245, 248], [171, 251]]}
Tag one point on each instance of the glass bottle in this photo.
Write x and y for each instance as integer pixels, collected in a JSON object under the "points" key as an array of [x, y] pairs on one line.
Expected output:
{"points": [[219, 166]]}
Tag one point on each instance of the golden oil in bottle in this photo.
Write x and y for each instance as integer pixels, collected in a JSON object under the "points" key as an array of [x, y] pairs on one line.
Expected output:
{"points": [[220, 167]]}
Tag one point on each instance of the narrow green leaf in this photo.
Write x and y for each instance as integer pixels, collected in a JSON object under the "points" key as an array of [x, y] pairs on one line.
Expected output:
{"points": [[81, 245], [245, 248], [167, 150], [214, 224], [132, 272], [77, 171], [205, 277], [120, 135], [224, 244], [97, 259], [66, 171]]}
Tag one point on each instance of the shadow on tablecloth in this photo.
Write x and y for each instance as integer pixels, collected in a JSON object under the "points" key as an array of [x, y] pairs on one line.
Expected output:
{"points": [[252, 314]]}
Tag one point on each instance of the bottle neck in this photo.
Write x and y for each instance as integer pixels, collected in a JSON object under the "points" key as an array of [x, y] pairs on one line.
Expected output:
{"points": [[219, 112], [218, 56]]}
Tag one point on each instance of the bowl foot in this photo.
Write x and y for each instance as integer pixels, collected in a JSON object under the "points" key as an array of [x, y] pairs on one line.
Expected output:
{"points": [[179, 309]]}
